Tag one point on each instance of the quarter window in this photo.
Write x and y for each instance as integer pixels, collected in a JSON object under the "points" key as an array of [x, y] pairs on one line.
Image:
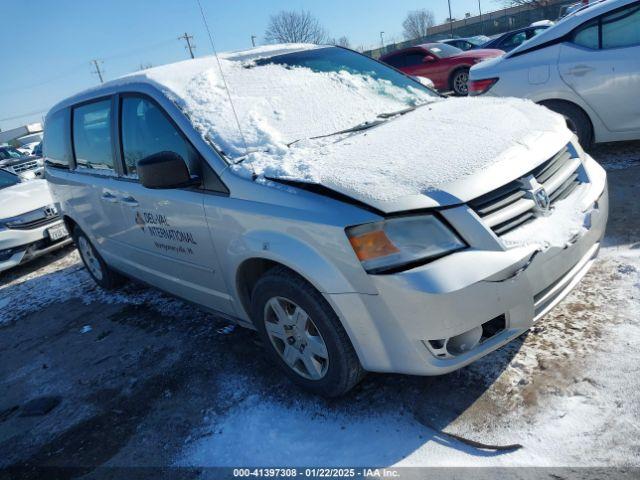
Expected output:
{"points": [[146, 130], [92, 136], [57, 152], [587, 36]]}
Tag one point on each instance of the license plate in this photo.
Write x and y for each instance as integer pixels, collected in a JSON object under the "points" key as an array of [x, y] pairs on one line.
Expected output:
{"points": [[57, 232]]}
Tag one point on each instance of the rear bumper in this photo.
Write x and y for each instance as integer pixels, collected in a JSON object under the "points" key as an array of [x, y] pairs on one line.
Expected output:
{"points": [[20, 246], [392, 331]]}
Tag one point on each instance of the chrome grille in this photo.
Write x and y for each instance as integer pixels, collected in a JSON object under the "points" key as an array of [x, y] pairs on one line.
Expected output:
{"points": [[25, 166], [509, 207]]}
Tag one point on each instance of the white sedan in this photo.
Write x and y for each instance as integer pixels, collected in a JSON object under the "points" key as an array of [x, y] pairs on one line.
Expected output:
{"points": [[30, 225], [586, 67]]}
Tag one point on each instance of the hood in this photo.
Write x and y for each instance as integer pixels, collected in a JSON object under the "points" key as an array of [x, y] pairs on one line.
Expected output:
{"points": [[441, 154], [481, 53], [24, 197]]}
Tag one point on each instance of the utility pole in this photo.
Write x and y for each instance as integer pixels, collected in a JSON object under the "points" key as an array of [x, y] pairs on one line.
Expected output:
{"points": [[96, 63], [450, 19], [253, 40], [481, 22], [188, 39]]}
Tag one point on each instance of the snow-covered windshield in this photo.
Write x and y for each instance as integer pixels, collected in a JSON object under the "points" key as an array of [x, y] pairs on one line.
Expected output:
{"points": [[442, 50], [284, 96], [335, 60]]}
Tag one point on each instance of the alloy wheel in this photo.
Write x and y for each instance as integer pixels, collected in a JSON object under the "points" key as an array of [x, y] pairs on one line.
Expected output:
{"points": [[296, 338], [89, 257], [460, 83]]}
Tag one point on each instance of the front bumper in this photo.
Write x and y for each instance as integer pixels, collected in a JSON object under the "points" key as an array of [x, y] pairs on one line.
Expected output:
{"points": [[20, 246], [391, 331]]}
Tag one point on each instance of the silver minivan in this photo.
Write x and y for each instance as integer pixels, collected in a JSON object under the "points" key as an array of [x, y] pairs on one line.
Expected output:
{"points": [[352, 216]]}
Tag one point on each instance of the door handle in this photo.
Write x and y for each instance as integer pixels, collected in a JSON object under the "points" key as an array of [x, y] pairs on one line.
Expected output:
{"points": [[129, 201], [109, 197], [580, 70]]}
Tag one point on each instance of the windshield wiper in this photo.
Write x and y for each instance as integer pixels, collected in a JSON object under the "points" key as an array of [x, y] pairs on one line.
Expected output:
{"points": [[382, 118], [399, 112]]}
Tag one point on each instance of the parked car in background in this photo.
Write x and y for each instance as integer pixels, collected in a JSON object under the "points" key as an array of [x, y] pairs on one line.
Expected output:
{"points": [[29, 147], [365, 224], [586, 67], [30, 224], [467, 43], [26, 165], [446, 66], [510, 40]]}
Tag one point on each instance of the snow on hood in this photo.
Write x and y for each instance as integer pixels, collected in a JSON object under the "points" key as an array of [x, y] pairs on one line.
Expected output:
{"points": [[280, 109], [24, 197], [429, 149]]}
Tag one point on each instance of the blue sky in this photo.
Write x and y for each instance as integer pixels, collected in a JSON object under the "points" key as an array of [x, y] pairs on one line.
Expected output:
{"points": [[48, 44]]}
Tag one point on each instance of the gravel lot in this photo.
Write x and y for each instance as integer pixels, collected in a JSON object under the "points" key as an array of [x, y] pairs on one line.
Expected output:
{"points": [[137, 378]]}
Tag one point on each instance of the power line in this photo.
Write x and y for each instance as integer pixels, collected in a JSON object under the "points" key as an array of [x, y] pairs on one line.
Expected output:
{"points": [[188, 39], [15, 117], [98, 71]]}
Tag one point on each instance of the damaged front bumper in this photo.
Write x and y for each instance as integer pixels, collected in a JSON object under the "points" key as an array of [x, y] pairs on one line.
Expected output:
{"points": [[441, 316]]}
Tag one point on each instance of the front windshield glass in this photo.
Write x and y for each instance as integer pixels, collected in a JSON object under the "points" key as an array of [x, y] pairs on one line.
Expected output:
{"points": [[479, 40], [334, 59], [7, 153], [8, 179], [442, 50]]}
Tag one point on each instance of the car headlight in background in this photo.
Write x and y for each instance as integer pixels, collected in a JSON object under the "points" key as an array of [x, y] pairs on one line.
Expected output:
{"points": [[402, 242]]}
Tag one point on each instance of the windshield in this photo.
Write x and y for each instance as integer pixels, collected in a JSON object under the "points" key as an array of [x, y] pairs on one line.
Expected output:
{"points": [[7, 153], [334, 59], [8, 179], [442, 50], [479, 40]]}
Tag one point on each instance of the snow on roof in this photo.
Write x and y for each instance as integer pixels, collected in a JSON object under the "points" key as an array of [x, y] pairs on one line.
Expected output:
{"points": [[280, 108]]}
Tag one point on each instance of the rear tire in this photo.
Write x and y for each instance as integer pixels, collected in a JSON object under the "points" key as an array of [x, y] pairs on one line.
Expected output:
{"points": [[577, 121], [459, 81], [310, 333], [94, 263]]}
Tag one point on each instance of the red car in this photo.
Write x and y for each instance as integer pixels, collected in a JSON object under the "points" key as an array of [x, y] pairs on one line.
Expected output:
{"points": [[446, 66]]}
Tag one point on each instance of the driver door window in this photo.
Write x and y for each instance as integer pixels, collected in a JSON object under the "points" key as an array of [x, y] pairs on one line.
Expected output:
{"points": [[146, 130]]}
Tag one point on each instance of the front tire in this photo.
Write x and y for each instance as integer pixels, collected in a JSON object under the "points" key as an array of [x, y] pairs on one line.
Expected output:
{"points": [[303, 335], [459, 81], [94, 263]]}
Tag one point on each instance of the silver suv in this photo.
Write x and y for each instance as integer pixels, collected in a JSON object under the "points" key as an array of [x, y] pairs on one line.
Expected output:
{"points": [[353, 217]]}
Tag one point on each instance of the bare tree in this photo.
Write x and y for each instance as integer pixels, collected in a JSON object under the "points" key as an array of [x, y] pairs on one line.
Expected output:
{"points": [[294, 27], [341, 42], [417, 23]]}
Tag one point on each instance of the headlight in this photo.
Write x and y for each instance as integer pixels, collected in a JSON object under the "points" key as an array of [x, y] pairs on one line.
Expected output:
{"points": [[401, 242]]}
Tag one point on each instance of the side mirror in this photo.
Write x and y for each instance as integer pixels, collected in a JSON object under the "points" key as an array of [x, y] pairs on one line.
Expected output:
{"points": [[165, 170], [428, 59]]}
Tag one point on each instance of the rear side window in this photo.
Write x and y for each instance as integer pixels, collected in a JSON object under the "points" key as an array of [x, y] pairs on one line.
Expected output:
{"points": [[413, 59], [395, 61], [615, 30], [621, 29], [57, 150], [146, 130], [92, 140]]}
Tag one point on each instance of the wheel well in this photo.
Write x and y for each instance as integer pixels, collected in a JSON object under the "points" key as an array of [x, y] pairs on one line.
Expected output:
{"points": [[248, 275], [546, 103]]}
